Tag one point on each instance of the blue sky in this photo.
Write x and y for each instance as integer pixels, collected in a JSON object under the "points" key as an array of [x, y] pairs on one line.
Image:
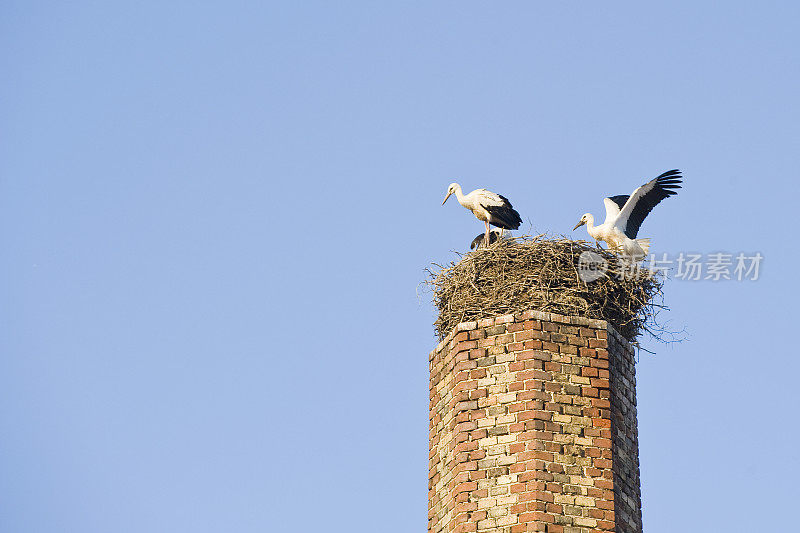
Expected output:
{"points": [[215, 218]]}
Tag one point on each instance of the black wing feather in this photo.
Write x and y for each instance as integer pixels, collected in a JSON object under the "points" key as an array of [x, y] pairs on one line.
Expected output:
{"points": [[665, 186], [504, 216], [619, 199], [480, 240]]}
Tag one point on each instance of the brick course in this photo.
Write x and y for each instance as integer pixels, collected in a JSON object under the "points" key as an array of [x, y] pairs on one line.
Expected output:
{"points": [[533, 427]]}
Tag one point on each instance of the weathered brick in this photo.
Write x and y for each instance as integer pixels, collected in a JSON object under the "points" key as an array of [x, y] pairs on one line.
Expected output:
{"points": [[521, 420]]}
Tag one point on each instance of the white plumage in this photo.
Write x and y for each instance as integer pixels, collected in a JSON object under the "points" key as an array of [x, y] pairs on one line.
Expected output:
{"points": [[625, 214], [490, 207]]}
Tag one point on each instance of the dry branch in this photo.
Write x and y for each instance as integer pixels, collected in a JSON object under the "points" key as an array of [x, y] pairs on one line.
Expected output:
{"points": [[537, 272]]}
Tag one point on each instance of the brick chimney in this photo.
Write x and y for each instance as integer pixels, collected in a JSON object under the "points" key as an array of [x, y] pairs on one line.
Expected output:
{"points": [[533, 427]]}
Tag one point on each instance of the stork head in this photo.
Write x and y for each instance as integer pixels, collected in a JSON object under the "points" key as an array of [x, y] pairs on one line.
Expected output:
{"points": [[450, 190], [584, 219]]}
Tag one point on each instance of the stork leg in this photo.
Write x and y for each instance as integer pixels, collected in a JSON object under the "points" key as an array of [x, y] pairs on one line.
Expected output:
{"points": [[486, 240]]}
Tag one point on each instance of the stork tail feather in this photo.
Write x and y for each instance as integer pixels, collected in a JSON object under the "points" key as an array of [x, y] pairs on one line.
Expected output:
{"points": [[644, 244]]}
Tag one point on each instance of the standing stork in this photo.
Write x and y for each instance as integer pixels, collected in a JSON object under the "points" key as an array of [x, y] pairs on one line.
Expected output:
{"points": [[487, 206], [625, 214]]}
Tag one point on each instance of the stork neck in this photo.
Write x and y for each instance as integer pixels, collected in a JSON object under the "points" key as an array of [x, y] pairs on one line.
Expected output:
{"points": [[590, 224], [459, 195]]}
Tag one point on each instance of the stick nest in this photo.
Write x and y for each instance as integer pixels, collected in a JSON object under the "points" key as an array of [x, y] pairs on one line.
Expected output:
{"points": [[542, 273]]}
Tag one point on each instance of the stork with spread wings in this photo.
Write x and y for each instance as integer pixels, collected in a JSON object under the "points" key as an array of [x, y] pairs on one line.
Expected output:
{"points": [[625, 214]]}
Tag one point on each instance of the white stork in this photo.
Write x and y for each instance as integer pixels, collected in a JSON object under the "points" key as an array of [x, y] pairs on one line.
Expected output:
{"points": [[625, 214], [480, 239], [487, 206]]}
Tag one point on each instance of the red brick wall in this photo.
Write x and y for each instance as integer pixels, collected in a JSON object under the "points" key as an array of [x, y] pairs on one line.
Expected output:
{"points": [[533, 427]]}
